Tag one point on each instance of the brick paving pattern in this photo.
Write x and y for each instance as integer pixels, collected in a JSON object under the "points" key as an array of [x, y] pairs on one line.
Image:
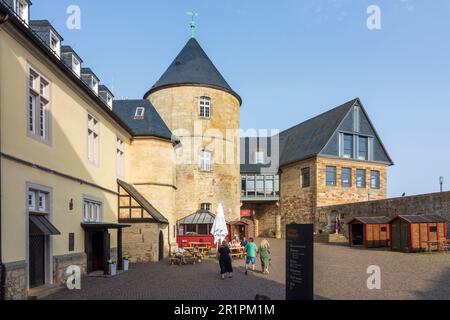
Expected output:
{"points": [[340, 273]]}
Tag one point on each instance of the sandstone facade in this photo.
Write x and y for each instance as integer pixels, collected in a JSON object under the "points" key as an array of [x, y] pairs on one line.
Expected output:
{"points": [[179, 108]]}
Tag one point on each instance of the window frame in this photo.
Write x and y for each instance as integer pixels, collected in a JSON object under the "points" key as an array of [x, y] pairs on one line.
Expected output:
{"points": [[205, 164], [205, 107], [366, 155], [93, 155], [16, 6], [76, 65], [377, 185], [328, 182], [206, 206], [57, 49], [349, 172], [120, 157], [139, 113], [94, 212], [39, 117], [305, 177], [352, 149], [259, 157], [364, 185]]}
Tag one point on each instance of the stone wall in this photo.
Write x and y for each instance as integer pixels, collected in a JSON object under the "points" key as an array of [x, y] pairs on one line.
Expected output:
{"points": [[435, 203], [179, 108], [297, 204], [333, 195], [16, 281], [141, 242], [61, 263], [264, 214]]}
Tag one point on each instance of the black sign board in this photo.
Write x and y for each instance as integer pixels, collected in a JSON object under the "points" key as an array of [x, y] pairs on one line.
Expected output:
{"points": [[299, 262]]}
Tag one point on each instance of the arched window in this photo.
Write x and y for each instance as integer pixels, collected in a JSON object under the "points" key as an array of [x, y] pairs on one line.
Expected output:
{"points": [[205, 107]]}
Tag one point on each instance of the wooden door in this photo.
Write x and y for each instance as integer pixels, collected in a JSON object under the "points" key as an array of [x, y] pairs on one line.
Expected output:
{"points": [[97, 251], [37, 261], [161, 245]]}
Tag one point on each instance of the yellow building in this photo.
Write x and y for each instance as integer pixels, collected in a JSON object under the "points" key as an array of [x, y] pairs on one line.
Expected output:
{"points": [[86, 179]]}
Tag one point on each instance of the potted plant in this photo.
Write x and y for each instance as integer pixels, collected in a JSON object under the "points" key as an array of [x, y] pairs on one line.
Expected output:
{"points": [[126, 263], [112, 267]]}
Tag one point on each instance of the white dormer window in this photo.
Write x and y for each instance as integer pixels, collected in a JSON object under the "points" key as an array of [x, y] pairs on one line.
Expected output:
{"points": [[76, 66], [109, 100], [139, 113], [259, 157], [55, 44], [94, 85], [21, 9]]}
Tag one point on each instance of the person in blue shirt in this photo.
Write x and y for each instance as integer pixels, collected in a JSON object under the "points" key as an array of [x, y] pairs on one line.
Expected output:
{"points": [[251, 251]]}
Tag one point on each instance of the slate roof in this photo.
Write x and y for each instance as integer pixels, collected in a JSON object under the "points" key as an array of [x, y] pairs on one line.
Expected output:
{"points": [[193, 66], [309, 138], [143, 202], [371, 220], [432, 218], [200, 217], [304, 140], [151, 125]]}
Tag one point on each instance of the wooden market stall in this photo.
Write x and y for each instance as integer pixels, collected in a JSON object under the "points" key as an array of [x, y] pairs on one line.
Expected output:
{"points": [[418, 233], [371, 232], [195, 230]]}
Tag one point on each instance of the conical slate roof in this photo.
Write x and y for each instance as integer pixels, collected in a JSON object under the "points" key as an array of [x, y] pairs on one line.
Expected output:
{"points": [[192, 66]]}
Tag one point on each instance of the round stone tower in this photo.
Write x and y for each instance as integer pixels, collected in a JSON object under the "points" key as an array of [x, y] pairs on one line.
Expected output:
{"points": [[202, 110]]}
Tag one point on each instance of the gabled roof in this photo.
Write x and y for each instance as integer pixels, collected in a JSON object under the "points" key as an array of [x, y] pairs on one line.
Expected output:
{"points": [[192, 66], [143, 202], [371, 220], [200, 217], [151, 125], [309, 138], [431, 218]]}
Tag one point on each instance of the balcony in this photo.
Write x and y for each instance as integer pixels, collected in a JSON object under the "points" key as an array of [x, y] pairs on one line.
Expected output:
{"points": [[260, 188]]}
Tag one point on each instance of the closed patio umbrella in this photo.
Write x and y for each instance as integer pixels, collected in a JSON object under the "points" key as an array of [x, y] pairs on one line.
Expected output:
{"points": [[219, 229]]}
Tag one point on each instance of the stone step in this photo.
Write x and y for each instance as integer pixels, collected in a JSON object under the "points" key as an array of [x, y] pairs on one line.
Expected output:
{"points": [[321, 238], [44, 291], [337, 238]]}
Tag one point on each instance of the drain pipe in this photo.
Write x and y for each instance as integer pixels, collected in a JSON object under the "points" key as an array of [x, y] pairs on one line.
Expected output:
{"points": [[3, 19]]}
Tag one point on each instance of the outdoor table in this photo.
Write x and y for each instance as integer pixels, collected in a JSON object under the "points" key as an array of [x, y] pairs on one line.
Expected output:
{"points": [[441, 244], [237, 252]]}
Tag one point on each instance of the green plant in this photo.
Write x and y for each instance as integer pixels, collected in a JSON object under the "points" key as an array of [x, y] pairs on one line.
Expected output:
{"points": [[126, 258], [111, 261]]}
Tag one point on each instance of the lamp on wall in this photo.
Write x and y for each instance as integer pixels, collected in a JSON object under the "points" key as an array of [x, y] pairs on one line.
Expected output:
{"points": [[71, 205], [441, 181]]}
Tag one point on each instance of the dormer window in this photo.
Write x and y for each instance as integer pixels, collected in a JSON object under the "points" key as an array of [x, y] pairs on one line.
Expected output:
{"points": [[259, 157], [139, 115], [205, 107], [21, 9], [109, 100], [55, 44], [95, 85], [76, 65]]}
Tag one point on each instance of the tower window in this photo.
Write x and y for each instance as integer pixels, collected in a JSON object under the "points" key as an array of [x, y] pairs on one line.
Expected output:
{"points": [[139, 113], [205, 160], [205, 207], [205, 107], [348, 146]]}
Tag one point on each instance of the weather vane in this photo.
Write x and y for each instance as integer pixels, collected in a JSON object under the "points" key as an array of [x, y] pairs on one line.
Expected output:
{"points": [[193, 24]]}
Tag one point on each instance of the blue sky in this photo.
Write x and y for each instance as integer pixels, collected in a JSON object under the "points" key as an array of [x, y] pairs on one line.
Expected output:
{"points": [[291, 60]]}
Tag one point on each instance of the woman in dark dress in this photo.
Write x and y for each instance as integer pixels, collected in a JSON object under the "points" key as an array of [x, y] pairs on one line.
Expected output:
{"points": [[224, 254]]}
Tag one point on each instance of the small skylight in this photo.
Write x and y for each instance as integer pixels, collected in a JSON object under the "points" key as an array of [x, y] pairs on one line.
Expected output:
{"points": [[139, 113]]}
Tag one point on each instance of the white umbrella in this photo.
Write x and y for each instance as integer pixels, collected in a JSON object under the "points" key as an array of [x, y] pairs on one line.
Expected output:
{"points": [[219, 229]]}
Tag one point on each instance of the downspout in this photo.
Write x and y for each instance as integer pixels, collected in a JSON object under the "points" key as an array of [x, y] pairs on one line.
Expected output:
{"points": [[3, 19]]}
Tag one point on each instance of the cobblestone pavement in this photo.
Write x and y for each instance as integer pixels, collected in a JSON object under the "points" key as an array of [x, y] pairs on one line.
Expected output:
{"points": [[340, 273]]}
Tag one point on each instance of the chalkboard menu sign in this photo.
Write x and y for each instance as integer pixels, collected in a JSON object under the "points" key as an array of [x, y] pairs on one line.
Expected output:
{"points": [[299, 262]]}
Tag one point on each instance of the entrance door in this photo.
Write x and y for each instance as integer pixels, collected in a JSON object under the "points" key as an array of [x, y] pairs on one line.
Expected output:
{"points": [[161, 246], [97, 251], [37, 261], [358, 234]]}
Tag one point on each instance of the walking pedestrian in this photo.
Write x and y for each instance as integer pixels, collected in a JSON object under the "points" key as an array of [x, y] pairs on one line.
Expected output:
{"points": [[264, 253], [225, 261], [251, 251]]}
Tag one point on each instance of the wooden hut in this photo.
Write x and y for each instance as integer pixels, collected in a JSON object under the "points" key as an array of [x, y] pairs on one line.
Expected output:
{"points": [[196, 228], [371, 232], [418, 233]]}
